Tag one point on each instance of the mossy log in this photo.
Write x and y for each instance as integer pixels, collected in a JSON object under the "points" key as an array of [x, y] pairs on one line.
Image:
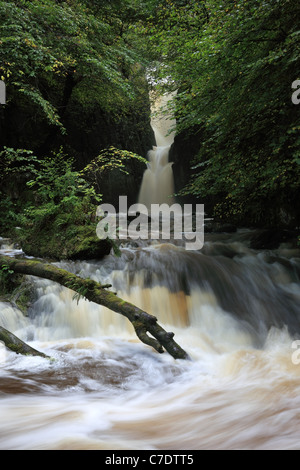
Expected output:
{"points": [[142, 322], [15, 344]]}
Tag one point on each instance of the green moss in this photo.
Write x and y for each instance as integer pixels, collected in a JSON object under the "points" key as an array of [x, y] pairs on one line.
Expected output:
{"points": [[24, 296], [16, 290], [17, 348], [73, 242]]}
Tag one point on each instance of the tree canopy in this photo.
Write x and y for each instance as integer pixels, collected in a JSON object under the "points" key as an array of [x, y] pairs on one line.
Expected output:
{"points": [[47, 43], [232, 64]]}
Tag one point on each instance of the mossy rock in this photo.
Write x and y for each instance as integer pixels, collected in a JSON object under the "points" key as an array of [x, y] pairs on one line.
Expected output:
{"points": [[272, 239], [72, 243], [90, 248], [17, 291]]}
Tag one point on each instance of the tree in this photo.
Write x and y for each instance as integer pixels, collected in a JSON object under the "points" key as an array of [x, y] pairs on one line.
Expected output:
{"points": [[94, 292], [48, 45], [233, 64], [62, 62], [18, 346]]}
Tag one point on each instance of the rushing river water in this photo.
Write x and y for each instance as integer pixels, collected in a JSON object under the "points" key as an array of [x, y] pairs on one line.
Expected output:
{"points": [[234, 310]]}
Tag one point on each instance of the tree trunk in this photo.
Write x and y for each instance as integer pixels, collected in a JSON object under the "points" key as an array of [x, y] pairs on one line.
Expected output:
{"points": [[94, 292], [15, 344]]}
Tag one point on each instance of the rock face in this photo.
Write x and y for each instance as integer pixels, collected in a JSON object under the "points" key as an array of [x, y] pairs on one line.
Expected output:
{"points": [[182, 153], [115, 173], [272, 239], [131, 132], [117, 184], [88, 131], [186, 146], [83, 244]]}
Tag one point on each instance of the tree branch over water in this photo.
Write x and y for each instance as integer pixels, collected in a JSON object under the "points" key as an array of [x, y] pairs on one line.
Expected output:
{"points": [[142, 322], [18, 346]]}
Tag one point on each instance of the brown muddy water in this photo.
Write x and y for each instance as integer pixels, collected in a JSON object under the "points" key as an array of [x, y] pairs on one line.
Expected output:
{"points": [[234, 310]]}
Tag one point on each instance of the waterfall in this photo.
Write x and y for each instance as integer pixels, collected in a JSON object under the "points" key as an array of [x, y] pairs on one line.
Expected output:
{"points": [[233, 309], [158, 183]]}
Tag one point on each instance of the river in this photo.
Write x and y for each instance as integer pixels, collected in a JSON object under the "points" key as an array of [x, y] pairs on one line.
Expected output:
{"points": [[233, 309]]}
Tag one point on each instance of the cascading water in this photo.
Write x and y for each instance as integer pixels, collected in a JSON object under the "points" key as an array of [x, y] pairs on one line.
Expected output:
{"points": [[233, 309], [158, 183]]}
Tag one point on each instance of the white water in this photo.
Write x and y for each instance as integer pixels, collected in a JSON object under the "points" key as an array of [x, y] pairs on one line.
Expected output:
{"points": [[158, 183], [106, 390]]}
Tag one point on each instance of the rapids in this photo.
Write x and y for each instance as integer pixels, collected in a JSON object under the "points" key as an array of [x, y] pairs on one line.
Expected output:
{"points": [[158, 183], [234, 310]]}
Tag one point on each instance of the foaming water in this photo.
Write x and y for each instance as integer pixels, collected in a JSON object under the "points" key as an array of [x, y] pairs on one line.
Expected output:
{"points": [[8, 248], [235, 311], [158, 182]]}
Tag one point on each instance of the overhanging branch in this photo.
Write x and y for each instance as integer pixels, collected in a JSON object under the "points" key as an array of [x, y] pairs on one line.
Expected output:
{"points": [[142, 322]]}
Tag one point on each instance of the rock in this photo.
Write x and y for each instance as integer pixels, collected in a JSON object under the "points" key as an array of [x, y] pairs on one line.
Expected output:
{"points": [[271, 239], [217, 227], [82, 244]]}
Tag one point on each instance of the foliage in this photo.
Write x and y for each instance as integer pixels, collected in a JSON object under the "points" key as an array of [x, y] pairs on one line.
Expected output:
{"points": [[17, 167], [112, 158], [233, 64], [80, 290], [10, 213], [61, 194], [108, 160], [7, 281], [15, 161], [5, 269], [50, 49], [57, 194], [58, 219]]}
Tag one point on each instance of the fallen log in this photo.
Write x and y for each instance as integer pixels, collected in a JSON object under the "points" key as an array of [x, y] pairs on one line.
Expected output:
{"points": [[15, 344], [142, 322]]}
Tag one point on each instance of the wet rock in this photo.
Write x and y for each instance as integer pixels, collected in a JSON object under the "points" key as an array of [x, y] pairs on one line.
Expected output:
{"points": [[217, 227], [271, 239]]}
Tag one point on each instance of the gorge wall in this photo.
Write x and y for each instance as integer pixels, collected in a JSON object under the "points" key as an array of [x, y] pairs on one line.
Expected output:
{"points": [[89, 128]]}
